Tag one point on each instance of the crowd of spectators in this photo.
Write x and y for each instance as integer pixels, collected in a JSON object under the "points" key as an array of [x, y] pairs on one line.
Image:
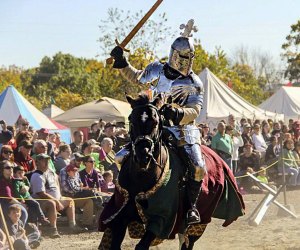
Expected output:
{"points": [[43, 178], [253, 146]]}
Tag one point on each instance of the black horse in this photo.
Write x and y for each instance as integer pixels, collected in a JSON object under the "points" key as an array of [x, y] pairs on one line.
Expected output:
{"points": [[150, 194]]}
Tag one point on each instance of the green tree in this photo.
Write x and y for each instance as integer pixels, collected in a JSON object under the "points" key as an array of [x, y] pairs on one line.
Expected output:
{"points": [[10, 75], [292, 54]]}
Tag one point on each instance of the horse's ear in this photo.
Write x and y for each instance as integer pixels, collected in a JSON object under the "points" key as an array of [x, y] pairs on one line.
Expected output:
{"points": [[130, 100], [157, 102]]}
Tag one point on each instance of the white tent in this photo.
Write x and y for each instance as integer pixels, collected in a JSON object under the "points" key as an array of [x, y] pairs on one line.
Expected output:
{"points": [[52, 111], [220, 101], [286, 100], [84, 115]]}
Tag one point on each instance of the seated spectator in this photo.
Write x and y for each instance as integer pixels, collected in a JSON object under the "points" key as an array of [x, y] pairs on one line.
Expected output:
{"points": [[273, 150], [263, 178], [44, 185], [7, 153], [110, 132], [290, 164], [259, 142], [43, 134], [58, 141], [78, 140], [52, 140], [16, 228], [73, 187], [21, 188], [276, 129], [23, 136], [206, 135], [63, 157], [248, 160], [5, 134], [266, 132], [6, 189], [2, 240], [287, 136], [12, 142], [107, 147], [297, 152], [92, 148], [246, 136], [108, 185], [94, 132], [89, 176], [23, 158], [40, 147]]}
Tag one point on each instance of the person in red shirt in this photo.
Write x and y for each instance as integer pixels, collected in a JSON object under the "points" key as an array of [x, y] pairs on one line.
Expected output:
{"points": [[23, 158]]}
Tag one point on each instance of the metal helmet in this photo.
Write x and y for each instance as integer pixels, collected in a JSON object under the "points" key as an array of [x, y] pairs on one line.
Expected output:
{"points": [[182, 50], [182, 55]]}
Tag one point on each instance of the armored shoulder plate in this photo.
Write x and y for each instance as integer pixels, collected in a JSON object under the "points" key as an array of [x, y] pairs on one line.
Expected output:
{"points": [[197, 82], [151, 73]]}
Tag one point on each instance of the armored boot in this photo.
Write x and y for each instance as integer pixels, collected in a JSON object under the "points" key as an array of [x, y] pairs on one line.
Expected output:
{"points": [[193, 216]]}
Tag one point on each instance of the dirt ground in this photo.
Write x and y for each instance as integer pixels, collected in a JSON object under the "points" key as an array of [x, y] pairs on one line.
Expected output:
{"points": [[274, 232]]}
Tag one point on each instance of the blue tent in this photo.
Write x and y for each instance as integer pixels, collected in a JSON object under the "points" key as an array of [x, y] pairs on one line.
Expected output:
{"points": [[13, 105]]}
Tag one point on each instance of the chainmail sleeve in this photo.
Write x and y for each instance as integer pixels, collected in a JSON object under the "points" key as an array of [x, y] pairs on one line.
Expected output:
{"points": [[131, 74]]}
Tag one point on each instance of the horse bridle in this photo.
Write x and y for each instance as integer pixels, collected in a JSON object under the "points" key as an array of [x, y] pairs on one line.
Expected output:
{"points": [[147, 138]]}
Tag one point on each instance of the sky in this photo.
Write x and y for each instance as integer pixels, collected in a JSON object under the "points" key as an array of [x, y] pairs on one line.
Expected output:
{"points": [[32, 29]]}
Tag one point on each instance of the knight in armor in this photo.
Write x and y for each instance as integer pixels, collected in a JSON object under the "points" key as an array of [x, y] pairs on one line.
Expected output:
{"points": [[175, 78]]}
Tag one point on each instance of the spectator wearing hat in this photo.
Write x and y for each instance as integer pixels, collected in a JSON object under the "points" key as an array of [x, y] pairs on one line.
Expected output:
{"points": [[5, 134], [246, 136], [40, 147], [44, 185], [78, 141], [73, 187], [110, 132], [43, 134], [206, 135], [63, 158], [21, 186], [23, 158], [76, 159], [222, 144]]}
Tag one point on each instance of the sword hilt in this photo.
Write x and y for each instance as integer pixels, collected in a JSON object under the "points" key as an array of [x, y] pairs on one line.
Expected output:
{"points": [[110, 60]]}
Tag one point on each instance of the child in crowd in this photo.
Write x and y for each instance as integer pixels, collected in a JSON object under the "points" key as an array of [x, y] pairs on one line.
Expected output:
{"points": [[108, 185], [16, 228], [263, 178], [21, 186]]}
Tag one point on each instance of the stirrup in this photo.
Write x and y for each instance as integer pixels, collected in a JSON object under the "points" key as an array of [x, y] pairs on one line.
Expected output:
{"points": [[193, 216]]}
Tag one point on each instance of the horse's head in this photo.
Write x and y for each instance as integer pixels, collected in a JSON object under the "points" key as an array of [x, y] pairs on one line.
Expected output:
{"points": [[144, 129]]}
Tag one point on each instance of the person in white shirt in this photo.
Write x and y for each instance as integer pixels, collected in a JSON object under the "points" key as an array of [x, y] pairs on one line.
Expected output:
{"points": [[259, 141], [237, 142]]}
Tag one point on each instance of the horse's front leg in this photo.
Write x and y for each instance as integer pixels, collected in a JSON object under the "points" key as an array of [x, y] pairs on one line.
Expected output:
{"points": [[146, 240], [192, 240], [118, 233]]}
